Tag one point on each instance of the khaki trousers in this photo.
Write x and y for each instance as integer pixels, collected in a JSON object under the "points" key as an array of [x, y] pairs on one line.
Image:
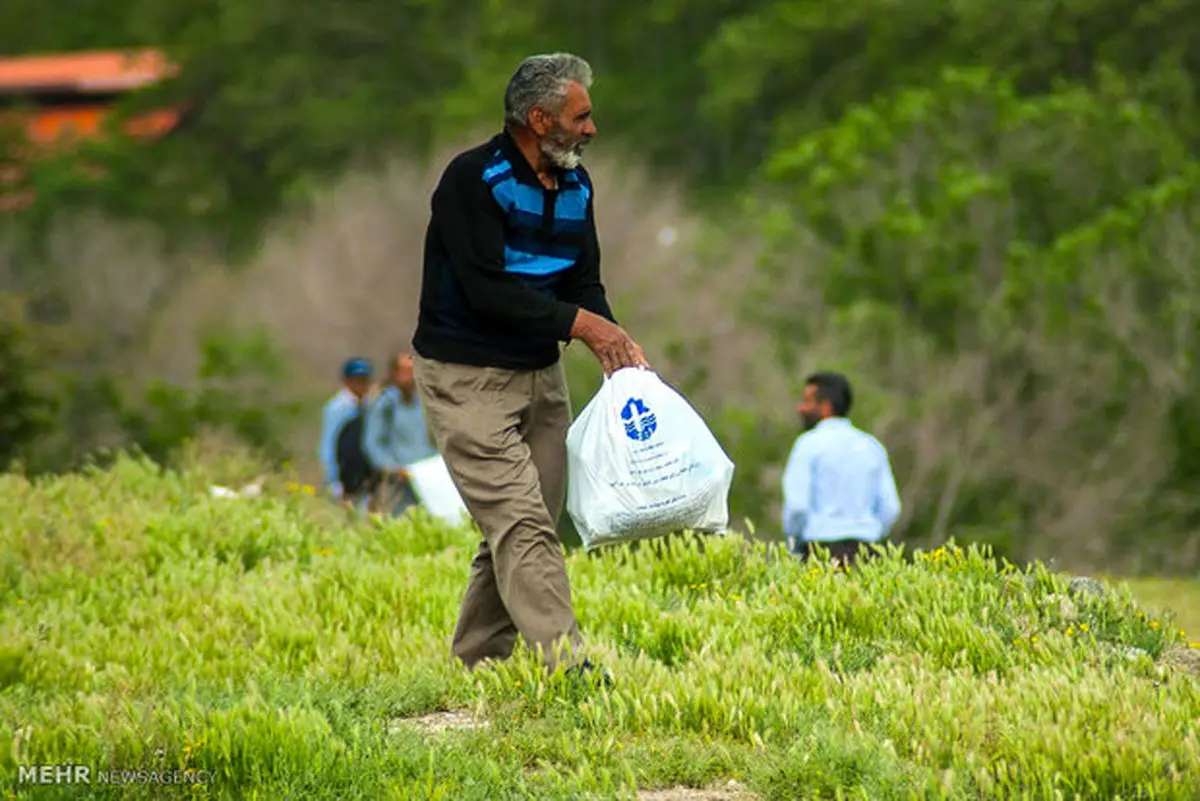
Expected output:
{"points": [[502, 434]]}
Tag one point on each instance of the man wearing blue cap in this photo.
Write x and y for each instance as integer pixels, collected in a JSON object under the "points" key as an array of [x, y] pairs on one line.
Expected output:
{"points": [[340, 411]]}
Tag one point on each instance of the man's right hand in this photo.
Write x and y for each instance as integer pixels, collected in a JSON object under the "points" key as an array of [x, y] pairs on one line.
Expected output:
{"points": [[613, 347]]}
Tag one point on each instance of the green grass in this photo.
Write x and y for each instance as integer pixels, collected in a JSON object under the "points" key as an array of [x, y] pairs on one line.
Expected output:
{"points": [[275, 645]]}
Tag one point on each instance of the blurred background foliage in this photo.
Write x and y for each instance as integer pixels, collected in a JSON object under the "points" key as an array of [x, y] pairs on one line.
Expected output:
{"points": [[984, 213]]}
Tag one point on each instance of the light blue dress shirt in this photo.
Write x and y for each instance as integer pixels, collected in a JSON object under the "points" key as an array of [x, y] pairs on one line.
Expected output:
{"points": [[838, 485], [394, 433]]}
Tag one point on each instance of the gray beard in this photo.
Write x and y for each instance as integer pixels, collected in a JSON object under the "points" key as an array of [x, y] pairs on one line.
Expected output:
{"points": [[560, 155]]}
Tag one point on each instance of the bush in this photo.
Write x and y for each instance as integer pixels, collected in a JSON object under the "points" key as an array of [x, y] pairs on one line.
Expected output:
{"points": [[26, 407], [237, 391]]}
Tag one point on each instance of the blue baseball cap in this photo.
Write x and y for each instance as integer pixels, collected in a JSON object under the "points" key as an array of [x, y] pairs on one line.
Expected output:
{"points": [[356, 368]]}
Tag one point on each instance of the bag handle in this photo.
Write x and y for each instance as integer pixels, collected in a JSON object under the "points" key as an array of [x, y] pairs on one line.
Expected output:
{"points": [[619, 369]]}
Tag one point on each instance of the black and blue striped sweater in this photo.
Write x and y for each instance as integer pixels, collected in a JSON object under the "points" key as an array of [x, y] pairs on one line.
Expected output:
{"points": [[508, 263]]}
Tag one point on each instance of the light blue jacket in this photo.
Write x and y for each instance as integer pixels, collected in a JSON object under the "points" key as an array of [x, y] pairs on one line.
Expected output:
{"points": [[337, 411]]}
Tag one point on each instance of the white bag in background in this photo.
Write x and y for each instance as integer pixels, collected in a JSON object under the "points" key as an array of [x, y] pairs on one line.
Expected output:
{"points": [[642, 463], [435, 490]]}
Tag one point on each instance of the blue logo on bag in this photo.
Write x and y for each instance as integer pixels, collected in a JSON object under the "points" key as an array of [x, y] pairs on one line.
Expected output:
{"points": [[640, 422]]}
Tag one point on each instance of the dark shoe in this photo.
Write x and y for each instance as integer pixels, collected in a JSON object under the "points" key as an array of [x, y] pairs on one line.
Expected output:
{"points": [[591, 674]]}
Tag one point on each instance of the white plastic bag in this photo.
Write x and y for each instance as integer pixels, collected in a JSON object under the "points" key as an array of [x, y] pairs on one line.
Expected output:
{"points": [[642, 463], [435, 489]]}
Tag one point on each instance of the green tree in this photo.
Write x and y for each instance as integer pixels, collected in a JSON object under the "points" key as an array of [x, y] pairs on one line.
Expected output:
{"points": [[26, 407]]}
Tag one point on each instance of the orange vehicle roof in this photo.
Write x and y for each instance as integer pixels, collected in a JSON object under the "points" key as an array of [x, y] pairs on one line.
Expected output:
{"points": [[84, 73]]}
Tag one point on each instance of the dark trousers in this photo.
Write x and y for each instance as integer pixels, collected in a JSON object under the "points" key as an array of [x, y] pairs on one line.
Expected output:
{"points": [[394, 497], [846, 552]]}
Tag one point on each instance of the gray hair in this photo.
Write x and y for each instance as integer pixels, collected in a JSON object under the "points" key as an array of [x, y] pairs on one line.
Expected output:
{"points": [[542, 81]]}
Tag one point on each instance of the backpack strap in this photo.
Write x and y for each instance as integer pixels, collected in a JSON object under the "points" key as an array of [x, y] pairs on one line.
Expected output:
{"points": [[389, 412], [389, 417]]}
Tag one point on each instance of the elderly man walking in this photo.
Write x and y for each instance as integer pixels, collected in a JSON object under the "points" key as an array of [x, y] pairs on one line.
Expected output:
{"points": [[512, 271]]}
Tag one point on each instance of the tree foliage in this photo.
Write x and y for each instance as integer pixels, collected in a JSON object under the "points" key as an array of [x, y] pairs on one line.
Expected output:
{"points": [[986, 209], [26, 407], [1046, 241]]}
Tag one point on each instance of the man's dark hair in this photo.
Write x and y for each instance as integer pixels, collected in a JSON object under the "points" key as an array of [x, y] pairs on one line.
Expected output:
{"points": [[835, 388]]}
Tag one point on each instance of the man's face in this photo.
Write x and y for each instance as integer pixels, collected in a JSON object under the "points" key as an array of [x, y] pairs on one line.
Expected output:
{"points": [[563, 137], [359, 385], [402, 373], [812, 411]]}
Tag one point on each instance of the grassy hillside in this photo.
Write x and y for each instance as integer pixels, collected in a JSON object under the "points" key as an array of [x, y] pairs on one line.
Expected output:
{"points": [[290, 653]]}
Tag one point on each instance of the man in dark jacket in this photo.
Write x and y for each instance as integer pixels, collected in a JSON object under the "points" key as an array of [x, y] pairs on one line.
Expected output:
{"points": [[512, 271]]}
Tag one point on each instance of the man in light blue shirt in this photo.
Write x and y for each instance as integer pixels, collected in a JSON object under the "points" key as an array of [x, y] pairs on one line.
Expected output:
{"points": [[340, 410], [838, 487], [395, 435]]}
